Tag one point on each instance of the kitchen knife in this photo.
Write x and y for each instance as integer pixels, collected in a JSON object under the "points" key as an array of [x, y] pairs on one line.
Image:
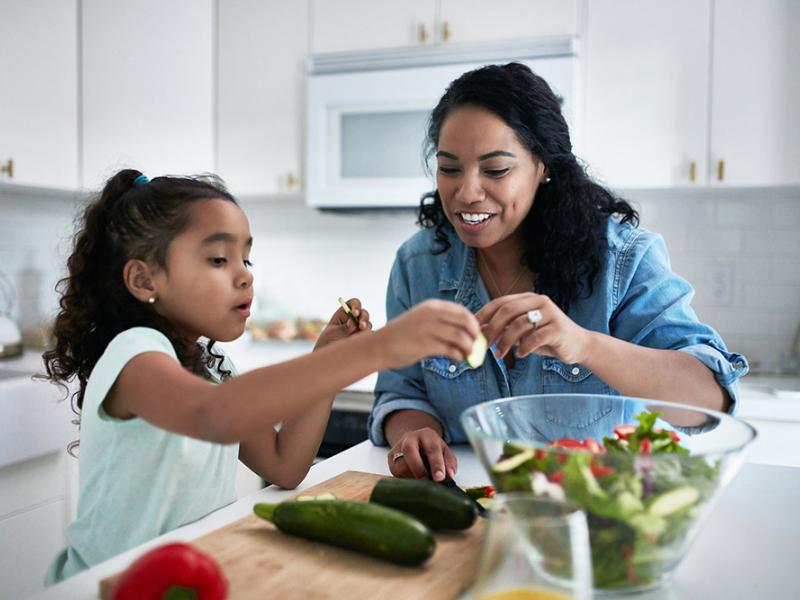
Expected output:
{"points": [[450, 483]]}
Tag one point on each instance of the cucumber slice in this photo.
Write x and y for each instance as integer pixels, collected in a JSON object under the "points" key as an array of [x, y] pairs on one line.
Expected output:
{"points": [[478, 354], [673, 501], [512, 462]]}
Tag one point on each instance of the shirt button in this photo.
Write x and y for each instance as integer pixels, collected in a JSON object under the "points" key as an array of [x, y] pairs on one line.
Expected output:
{"points": [[452, 368], [576, 371]]}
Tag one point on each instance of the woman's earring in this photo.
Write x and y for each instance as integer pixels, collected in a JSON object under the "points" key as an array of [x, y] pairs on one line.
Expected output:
{"points": [[547, 180], [151, 300]]}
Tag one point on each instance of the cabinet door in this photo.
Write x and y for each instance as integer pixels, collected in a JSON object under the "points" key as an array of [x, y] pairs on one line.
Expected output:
{"points": [[148, 87], [477, 20], [345, 25], [755, 122], [39, 99], [262, 50], [646, 92]]}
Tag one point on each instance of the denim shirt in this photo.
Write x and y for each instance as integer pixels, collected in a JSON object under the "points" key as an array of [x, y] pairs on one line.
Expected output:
{"points": [[636, 298]]}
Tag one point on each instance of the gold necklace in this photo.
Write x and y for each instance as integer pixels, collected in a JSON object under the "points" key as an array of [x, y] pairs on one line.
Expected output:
{"points": [[494, 283]]}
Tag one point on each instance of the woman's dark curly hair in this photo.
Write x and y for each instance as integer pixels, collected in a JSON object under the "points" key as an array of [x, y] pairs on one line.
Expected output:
{"points": [[564, 231], [126, 221]]}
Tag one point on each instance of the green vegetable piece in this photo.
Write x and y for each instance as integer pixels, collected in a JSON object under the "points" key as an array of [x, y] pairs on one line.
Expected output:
{"points": [[512, 462], [364, 527], [432, 503], [673, 501], [478, 354]]}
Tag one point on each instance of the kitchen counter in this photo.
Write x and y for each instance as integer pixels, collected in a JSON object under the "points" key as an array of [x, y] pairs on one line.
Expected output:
{"points": [[747, 548]]}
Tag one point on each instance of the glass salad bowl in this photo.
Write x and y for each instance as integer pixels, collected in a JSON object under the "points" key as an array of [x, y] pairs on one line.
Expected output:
{"points": [[645, 472]]}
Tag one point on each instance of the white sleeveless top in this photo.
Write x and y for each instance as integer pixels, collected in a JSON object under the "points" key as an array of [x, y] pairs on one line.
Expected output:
{"points": [[138, 481]]}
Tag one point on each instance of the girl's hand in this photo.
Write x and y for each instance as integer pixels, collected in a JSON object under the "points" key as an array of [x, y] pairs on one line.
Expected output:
{"points": [[506, 322], [405, 460], [341, 325], [431, 328]]}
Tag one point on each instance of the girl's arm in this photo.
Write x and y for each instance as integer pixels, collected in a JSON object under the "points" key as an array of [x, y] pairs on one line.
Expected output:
{"points": [[283, 458], [156, 388]]}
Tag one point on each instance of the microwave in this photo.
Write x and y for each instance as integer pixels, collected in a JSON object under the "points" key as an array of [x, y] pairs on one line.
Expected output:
{"points": [[367, 115]]}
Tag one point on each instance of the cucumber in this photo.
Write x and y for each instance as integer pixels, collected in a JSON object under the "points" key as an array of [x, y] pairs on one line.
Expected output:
{"points": [[674, 500], [432, 503], [368, 528], [512, 462], [478, 352]]}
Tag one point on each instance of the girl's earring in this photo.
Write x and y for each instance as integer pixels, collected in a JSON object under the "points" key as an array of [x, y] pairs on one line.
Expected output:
{"points": [[151, 300]]}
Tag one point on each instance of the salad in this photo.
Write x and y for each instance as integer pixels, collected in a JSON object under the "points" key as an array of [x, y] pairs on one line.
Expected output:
{"points": [[641, 491]]}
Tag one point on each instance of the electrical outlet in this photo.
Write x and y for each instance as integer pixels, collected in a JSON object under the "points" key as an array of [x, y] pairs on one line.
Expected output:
{"points": [[719, 282]]}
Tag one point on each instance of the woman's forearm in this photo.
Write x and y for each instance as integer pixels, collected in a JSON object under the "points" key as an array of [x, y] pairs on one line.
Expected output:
{"points": [[657, 374], [403, 421]]}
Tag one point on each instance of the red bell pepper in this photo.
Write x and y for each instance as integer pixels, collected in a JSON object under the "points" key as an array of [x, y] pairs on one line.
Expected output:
{"points": [[645, 446], [172, 571], [556, 477], [602, 471], [566, 443], [623, 431]]}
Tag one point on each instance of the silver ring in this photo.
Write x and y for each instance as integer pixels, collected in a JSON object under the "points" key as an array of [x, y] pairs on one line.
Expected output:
{"points": [[534, 316], [397, 455]]}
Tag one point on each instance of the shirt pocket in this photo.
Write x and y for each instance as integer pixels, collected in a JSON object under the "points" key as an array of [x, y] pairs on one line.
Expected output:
{"points": [[452, 387], [579, 413]]}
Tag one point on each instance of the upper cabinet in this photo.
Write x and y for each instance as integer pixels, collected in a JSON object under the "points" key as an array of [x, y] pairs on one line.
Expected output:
{"points": [[479, 21], [692, 93], [347, 25], [646, 92], [39, 99], [147, 87], [755, 121], [352, 25], [262, 50]]}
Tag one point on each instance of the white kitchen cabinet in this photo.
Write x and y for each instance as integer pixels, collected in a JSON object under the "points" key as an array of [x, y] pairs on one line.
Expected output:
{"points": [[34, 499], [755, 122], [348, 25], [147, 87], [262, 50], [692, 92], [479, 21], [646, 92], [351, 25], [39, 99]]}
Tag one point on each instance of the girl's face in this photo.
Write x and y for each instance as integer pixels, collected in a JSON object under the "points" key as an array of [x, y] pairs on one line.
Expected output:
{"points": [[206, 288], [486, 178]]}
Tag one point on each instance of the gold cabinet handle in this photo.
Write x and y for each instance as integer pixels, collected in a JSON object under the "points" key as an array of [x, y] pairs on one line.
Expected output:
{"points": [[8, 168], [693, 171], [291, 180], [422, 33], [445, 31], [720, 170]]}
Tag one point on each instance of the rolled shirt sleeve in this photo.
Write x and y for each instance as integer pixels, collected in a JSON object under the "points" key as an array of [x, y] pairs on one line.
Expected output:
{"points": [[653, 310]]}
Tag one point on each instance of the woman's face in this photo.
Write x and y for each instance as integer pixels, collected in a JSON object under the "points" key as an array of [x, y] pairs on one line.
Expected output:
{"points": [[486, 178]]}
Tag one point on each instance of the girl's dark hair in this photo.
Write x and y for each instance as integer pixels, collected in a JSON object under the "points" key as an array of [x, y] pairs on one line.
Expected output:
{"points": [[130, 219], [564, 231]]}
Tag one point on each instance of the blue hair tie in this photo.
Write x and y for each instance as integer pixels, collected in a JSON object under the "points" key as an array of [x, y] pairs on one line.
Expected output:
{"points": [[141, 179]]}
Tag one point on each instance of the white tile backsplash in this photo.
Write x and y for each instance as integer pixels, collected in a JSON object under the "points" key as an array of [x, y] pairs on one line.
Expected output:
{"points": [[305, 259]]}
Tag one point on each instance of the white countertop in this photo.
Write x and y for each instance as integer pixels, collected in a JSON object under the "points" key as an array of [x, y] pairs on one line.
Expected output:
{"points": [[748, 548]]}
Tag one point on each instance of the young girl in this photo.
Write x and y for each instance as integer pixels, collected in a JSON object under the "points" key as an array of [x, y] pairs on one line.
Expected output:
{"points": [[157, 265]]}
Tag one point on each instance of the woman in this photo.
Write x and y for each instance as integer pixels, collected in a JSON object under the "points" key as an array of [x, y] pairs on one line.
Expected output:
{"points": [[571, 294]]}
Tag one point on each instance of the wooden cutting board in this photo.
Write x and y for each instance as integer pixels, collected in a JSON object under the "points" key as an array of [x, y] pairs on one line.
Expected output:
{"points": [[261, 562]]}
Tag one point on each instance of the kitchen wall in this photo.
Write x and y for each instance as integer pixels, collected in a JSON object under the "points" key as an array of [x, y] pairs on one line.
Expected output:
{"points": [[739, 248]]}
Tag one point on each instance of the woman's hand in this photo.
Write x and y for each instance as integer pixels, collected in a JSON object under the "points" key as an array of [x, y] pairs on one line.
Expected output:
{"points": [[507, 322], [341, 325], [405, 458], [431, 328]]}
